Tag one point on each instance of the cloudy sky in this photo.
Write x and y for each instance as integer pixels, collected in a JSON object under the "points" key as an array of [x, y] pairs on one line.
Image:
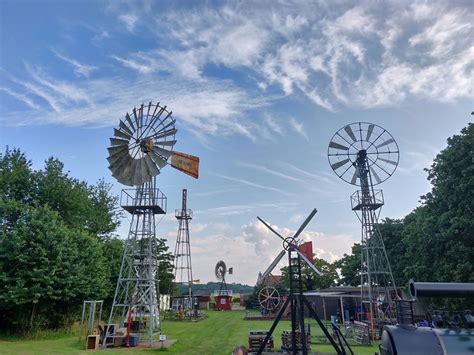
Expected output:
{"points": [[258, 90]]}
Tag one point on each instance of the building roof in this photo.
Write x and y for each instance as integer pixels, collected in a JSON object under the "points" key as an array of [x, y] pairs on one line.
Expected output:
{"points": [[272, 280]]}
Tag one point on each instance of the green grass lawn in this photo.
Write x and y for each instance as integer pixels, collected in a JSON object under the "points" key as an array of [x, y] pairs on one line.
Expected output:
{"points": [[218, 334]]}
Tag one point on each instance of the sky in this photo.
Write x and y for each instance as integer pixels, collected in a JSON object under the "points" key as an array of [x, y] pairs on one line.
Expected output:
{"points": [[258, 89]]}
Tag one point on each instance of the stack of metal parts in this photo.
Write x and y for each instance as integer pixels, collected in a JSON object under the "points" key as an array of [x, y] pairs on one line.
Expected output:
{"points": [[286, 340], [256, 338], [361, 333]]}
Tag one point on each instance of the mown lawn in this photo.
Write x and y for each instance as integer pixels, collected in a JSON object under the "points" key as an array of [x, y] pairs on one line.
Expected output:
{"points": [[218, 334]]}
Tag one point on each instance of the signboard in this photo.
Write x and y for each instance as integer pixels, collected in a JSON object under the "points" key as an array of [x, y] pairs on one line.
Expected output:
{"points": [[186, 163], [162, 337]]}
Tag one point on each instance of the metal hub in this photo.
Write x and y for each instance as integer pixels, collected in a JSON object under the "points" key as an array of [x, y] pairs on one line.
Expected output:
{"points": [[146, 145], [290, 243]]}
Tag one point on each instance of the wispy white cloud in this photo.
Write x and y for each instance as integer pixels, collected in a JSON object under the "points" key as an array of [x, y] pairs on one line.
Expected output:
{"points": [[273, 124], [253, 184], [79, 69], [335, 54], [129, 20], [142, 66], [41, 93], [61, 91], [205, 108], [264, 169], [308, 174], [298, 128], [239, 209], [366, 55], [414, 161], [21, 97], [213, 192]]}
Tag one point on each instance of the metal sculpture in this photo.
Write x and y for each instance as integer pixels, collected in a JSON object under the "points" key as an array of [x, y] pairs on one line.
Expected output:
{"points": [[141, 146], [365, 155], [183, 272], [296, 301]]}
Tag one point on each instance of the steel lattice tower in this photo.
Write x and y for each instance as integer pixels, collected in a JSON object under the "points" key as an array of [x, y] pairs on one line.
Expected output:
{"points": [[378, 289], [183, 272], [136, 298], [365, 154]]}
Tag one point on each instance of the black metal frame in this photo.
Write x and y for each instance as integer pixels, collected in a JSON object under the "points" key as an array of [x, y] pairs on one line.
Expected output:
{"points": [[341, 339], [297, 301]]}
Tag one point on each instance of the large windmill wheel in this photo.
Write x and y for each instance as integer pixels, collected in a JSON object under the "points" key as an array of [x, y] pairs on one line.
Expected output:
{"points": [[142, 144], [376, 143], [269, 298]]}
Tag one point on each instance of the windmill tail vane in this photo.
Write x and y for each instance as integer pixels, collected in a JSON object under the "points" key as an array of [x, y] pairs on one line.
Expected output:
{"points": [[188, 164]]}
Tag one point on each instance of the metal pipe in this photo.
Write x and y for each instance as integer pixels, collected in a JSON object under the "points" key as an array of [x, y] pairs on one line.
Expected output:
{"points": [[440, 289]]}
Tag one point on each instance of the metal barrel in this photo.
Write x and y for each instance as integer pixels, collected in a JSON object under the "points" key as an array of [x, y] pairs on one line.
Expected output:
{"points": [[440, 289]]}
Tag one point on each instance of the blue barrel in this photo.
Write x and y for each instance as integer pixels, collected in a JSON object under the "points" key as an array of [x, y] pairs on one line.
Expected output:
{"points": [[133, 341]]}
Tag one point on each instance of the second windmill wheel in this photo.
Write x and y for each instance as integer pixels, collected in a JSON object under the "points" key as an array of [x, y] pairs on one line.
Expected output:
{"points": [[142, 144], [363, 139], [269, 298]]}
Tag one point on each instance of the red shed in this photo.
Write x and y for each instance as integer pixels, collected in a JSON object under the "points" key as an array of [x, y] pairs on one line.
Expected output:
{"points": [[223, 303], [223, 300]]}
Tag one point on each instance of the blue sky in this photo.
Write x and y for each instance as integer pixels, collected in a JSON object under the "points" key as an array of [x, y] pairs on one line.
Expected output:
{"points": [[257, 88]]}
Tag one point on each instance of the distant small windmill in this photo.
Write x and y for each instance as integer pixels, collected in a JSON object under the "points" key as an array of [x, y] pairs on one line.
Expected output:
{"points": [[223, 295]]}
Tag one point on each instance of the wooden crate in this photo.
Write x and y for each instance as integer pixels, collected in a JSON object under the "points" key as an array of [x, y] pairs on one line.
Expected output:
{"points": [[256, 338], [92, 342]]}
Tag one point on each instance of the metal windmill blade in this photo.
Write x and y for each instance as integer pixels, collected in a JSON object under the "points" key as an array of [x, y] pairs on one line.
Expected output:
{"points": [[142, 144], [290, 244], [367, 141], [270, 268]]}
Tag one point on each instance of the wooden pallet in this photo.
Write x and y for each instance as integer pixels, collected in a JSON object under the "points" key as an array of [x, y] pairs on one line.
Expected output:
{"points": [[256, 338]]}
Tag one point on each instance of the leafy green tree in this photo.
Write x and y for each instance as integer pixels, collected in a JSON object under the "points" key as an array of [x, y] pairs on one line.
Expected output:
{"points": [[312, 281], [349, 266], [56, 243], [438, 235], [44, 266], [392, 235], [81, 206], [165, 270], [16, 177], [112, 249], [104, 216]]}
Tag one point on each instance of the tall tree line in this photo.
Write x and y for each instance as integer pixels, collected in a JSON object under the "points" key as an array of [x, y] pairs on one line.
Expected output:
{"points": [[57, 244]]}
